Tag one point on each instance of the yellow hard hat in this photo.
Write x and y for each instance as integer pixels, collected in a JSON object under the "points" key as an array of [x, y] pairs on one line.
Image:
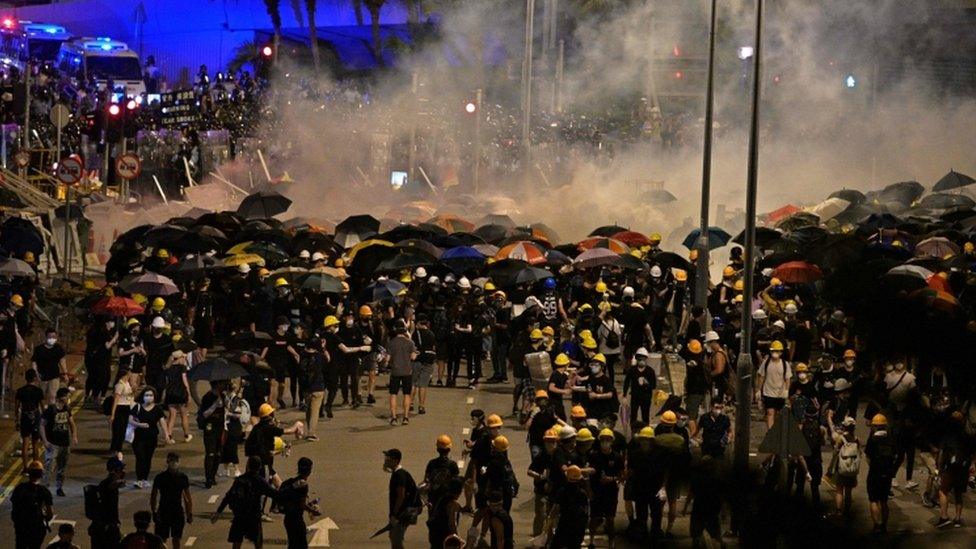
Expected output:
{"points": [[775, 282], [585, 307], [339, 262], [500, 443], [646, 432], [494, 420], [262, 271], [330, 320], [606, 433], [35, 466], [801, 367], [669, 418], [585, 334], [365, 311], [279, 445], [850, 353], [599, 358], [737, 299], [680, 275], [694, 346], [406, 279], [739, 285], [131, 322], [443, 442], [776, 346], [967, 247], [265, 410], [535, 334], [548, 331], [561, 360], [17, 300], [162, 253], [158, 304], [588, 343], [29, 255], [551, 434], [500, 294], [637, 253], [879, 420], [601, 287], [489, 287], [654, 237], [584, 435], [541, 393], [577, 412], [728, 272], [659, 397], [280, 282], [574, 473]]}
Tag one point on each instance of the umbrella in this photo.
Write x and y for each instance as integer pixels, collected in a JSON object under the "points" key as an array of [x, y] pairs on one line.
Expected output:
{"points": [[717, 237], [939, 281], [851, 195], [555, 258], [353, 230], [432, 229], [405, 260], [18, 236], [468, 239], [764, 237], [150, 284], [132, 238], [290, 273], [798, 272], [314, 242], [658, 196], [323, 283], [830, 208], [596, 257], [16, 268], [776, 259], [629, 261], [797, 220], [937, 246], [451, 223], [462, 253], [263, 204], [529, 252], [414, 245], [904, 192], [614, 246], [944, 201], [541, 229], [497, 219], [936, 299], [382, 290], [229, 222], [208, 231], [857, 212], [911, 271], [354, 251], [217, 369], [608, 230], [445, 242], [633, 239], [237, 260], [407, 232], [781, 213], [488, 250], [117, 306], [804, 236], [879, 221], [331, 271], [513, 272], [162, 235], [835, 250], [193, 264], [669, 260], [953, 180], [491, 233]]}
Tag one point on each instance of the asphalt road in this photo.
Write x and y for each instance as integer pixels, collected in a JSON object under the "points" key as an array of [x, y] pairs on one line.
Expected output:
{"points": [[349, 479]]}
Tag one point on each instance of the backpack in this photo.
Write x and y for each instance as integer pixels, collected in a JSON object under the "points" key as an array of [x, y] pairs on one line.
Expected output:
{"points": [[27, 505], [849, 459], [93, 502], [239, 495], [437, 483], [288, 498], [612, 341]]}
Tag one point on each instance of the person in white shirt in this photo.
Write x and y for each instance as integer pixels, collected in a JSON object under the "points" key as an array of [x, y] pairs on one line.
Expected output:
{"points": [[773, 383]]}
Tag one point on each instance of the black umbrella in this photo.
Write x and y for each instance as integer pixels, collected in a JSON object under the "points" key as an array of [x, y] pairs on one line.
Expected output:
{"points": [[853, 196], [18, 236], [382, 290], [512, 272], [414, 245], [807, 235], [555, 258], [314, 242], [904, 192], [405, 232], [497, 219], [131, 239], [669, 260], [491, 233], [875, 222], [368, 259], [798, 220], [355, 229], [446, 242], [836, 250], [632, 263], [953, 180], [187, 222], [248, 340], [608, 230], [217, 369], [433, 229], [196, 243], [857, 212], [467, 239], [322, 283], [764, 237], [263, 204], [944, 201], [162, 236], [192, 266], [405, 260], [228, 222], [957, 215], [776, 259]]}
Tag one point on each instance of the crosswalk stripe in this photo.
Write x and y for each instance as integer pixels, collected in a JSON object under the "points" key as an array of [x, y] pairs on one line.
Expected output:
{"points": [[190, 541]]}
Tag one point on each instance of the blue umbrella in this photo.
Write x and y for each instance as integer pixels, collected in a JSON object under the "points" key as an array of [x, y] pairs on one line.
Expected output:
{"points": [[717, 237], [463, 258], [382, 290]]}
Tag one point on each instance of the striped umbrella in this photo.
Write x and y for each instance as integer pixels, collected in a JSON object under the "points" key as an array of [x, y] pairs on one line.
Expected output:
{"points": [[611, 244], [529, 252]]}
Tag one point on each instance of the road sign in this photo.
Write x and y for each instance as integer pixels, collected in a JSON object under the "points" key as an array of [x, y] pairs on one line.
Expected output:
{"points": [[60, 115], [22, 159], [128, 166], [70, 171]]}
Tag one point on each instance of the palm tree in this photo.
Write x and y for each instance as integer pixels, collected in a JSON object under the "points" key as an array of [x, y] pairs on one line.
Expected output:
{"points": [[246, 53], [357, 8], [312, 34], [274, 11], [374, 7]]}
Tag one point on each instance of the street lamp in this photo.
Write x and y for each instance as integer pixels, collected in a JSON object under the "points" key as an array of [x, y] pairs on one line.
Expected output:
{"points": [[701, 275]]}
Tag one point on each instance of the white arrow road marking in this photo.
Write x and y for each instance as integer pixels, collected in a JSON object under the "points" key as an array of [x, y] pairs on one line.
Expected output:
{"points": [[470, 400], [466, 431], [190, 541], [321, 536], [213, 499]]}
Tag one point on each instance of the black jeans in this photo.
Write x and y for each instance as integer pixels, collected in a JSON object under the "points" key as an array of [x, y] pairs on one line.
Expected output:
{"points": [[331, 383], [143, 450], [212, 436], [119, 424], [104, 535], [295, 529], [648, 504], [349, 380], [640, 406]]}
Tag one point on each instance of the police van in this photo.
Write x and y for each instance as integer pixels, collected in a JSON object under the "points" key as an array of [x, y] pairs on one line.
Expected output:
{"points": [[21, 41], [102, 59]]}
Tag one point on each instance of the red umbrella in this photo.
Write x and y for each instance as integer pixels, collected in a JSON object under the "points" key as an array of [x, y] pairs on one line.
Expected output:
{"points": [[797, 272], [117, 306], [530, 252], [633, 239], [782, 213], [939, 282], [611, 244]]}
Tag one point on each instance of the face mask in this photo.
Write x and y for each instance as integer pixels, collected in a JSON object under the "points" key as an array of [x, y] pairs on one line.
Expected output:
{"points": [[51, 341], [349, 323], [109, 325], [900, 367], [148, 399], [803, 377], [595, 369], [849, 363], [606, 444], [282, 328], [775, 354]]}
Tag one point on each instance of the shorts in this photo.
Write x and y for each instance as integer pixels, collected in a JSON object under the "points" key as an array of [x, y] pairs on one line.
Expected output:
{"points": [[30, 426], [630, 490], [770, 403], [280, 373], [845, 481], [245, 528], [879, 488], [705, 522], [370, 362], [693, 404], [604, 503], [954, 481], [422, 374], [170, 527], [401, 382]]}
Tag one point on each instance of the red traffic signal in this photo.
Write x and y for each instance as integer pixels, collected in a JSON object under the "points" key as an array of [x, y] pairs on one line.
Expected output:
{"points": [[8, 22], [470, 107], [267, 51], [114, 109]]}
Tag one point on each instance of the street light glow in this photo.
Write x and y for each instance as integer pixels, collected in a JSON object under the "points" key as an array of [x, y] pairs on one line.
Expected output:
{"points": [[470, 107]]}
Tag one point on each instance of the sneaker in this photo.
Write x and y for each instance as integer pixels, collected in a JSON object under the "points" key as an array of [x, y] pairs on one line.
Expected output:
{"points": [[440, 383], [911, 485], [393, 421], [370, 399], [406, 421], [943, 522], [312, 438], [421, 410], [187, 438], [60, 493], [955, 524]]}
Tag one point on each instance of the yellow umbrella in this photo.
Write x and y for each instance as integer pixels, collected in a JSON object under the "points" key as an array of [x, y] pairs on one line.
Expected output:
{"points": [[239, 248], [365, 244], [337, 272], [240, 259]]}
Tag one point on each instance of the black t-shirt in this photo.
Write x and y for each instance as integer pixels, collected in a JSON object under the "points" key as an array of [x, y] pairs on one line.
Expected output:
{"points": [[559, 379], [30, 397], [133, 361], [261, 440], [401, 478], [216, 418], [56, 427], [292, 495], [158, 350], [278, 356], [48, 360], [540, 464], [152, 417], [142, 540], [438, 473], [174, 381], [27, 502], [171, 486], [424, 340], [606, 465], [541, 422], [350, 337]]}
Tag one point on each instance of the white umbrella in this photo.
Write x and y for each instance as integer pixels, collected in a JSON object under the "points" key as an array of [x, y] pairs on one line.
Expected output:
{"points": [[830, 208]]}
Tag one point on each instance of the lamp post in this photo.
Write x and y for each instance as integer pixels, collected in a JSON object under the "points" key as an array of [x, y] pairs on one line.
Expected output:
{"points": [[701, 276], [527, 86]]}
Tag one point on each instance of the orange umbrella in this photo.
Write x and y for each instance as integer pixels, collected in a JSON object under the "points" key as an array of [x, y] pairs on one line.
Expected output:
{"points": [[633, 239], [523, 250], [452, 223], [611, 244]]}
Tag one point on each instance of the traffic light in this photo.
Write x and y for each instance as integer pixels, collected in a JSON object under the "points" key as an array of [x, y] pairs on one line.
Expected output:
{"points": [[850, 82], [113, 123], [470, 107], [129, 126]]}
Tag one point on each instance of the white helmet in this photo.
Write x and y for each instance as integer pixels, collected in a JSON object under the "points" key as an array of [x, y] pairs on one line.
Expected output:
{"points": [[656, 272], [244, 268], [158, 322], [448, 279], [642, 351], [318, 256], [767, 272], [420, 272], [434, 280], [628, 292], [780, 324], [759, 314], [464, 283], [790, 309], [711, 336], [567, 432], [304, 254]]}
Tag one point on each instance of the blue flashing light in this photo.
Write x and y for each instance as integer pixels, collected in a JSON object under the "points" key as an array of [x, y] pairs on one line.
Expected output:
{"points": [[107, 47]]}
